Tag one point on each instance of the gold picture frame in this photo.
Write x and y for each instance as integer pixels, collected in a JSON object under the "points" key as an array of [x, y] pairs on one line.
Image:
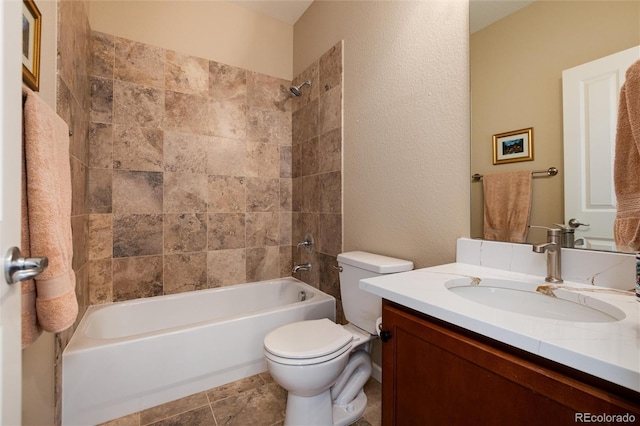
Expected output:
{"points": [[511, 147], [31, 32]]}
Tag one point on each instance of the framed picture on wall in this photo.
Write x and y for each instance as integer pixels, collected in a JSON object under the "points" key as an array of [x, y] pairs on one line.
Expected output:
{"points": [[31, 24], [511, 147]]}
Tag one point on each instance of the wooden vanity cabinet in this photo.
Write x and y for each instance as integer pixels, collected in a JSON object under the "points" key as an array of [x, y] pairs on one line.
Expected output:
{"points": [[434, 373]]}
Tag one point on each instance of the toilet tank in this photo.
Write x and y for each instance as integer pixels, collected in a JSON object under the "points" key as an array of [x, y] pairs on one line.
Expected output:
{"points": [[360, 307]]}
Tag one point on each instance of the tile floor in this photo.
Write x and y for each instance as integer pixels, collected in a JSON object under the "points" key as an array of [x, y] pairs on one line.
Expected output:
{"points": [[253, 401]]}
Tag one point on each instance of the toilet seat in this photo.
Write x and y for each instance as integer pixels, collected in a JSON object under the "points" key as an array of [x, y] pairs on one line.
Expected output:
{"points": [[299, 362], [307, 342]]}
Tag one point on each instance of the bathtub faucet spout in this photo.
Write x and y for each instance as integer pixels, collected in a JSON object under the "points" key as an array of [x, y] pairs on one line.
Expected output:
{"points": [[303, 267]]}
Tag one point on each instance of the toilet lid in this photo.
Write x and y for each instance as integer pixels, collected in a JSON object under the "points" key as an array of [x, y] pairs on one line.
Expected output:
{"points": [[307, 339]]}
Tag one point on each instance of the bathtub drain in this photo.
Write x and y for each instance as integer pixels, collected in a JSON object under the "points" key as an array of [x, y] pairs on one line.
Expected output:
{"points": [[302, 296]]}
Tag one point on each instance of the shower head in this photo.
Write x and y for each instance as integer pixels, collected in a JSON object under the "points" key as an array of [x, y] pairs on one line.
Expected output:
{"points": [[296, 89]]}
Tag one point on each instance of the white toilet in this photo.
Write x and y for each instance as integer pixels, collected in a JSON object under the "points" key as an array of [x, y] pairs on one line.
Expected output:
{"points": [[323, 365]]}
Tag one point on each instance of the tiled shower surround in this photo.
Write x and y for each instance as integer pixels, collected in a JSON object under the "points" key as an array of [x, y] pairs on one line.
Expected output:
{"points": [[317, 171], [200, 178], [73, 103]]}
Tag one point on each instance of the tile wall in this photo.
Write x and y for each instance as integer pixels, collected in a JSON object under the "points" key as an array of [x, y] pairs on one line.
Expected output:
{"points": [[317, 171], [190, 173], [205, 175], [73, 105]]}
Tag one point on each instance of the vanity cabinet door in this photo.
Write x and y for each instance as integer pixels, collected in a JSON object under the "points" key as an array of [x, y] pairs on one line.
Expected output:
{"points": [[434, 374]]}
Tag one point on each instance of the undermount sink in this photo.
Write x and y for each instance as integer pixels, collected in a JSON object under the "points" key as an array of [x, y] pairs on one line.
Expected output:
{"points": [[541, 300]]}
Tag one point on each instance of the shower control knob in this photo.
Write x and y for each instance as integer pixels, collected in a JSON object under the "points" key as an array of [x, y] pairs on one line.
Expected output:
{"points": [[385, 335]]}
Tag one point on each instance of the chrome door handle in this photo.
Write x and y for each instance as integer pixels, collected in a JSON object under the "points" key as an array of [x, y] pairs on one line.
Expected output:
{"points": [[18, 268]]}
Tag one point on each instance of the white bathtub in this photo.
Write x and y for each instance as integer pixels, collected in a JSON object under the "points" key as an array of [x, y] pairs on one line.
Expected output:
{"points": [[129, 356]]}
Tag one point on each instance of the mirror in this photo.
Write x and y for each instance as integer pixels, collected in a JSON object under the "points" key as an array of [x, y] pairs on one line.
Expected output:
{"points": [[516, 67]]}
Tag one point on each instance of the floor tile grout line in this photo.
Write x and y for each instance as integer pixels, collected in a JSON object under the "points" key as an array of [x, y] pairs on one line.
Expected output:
{"points": [[215, 420]]}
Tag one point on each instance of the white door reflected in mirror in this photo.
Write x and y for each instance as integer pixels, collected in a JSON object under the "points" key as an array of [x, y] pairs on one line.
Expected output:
{"points": [[590, 110]]}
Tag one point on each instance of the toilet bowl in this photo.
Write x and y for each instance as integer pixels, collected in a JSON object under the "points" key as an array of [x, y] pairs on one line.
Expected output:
{"points": [[324, 366], [308, 358]]}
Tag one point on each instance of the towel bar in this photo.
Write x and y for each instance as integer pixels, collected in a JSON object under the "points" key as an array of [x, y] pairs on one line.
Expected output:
{"points": [[24, 99], [551, 171]]}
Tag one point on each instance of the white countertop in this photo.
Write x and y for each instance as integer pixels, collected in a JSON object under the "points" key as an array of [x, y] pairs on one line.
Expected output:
{"points": [[608, 350]]}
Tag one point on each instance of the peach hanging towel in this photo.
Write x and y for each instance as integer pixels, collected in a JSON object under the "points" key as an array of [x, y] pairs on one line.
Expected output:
{"points": [[507, 206], [626, 165], [50, 303]]}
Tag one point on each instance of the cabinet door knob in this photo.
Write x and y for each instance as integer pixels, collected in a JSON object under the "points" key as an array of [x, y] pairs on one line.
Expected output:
{"points": [[385, 335]]}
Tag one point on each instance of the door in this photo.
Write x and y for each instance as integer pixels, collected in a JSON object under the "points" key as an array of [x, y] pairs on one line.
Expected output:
{"points": [[10, 161], [590, 106]]}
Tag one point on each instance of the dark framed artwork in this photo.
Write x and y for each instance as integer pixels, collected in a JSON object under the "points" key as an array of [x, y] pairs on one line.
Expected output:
{"points": [[511, 147], [31, 27]]}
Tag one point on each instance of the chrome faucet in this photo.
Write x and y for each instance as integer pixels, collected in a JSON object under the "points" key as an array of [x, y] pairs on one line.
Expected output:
{"points": [[302, 267], [569, 231], [568, 235], [552, 248]]}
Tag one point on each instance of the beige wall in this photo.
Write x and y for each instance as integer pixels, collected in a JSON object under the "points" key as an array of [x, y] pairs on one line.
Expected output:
{"points": [[215, 30], [406, 121], [516, 82]]}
